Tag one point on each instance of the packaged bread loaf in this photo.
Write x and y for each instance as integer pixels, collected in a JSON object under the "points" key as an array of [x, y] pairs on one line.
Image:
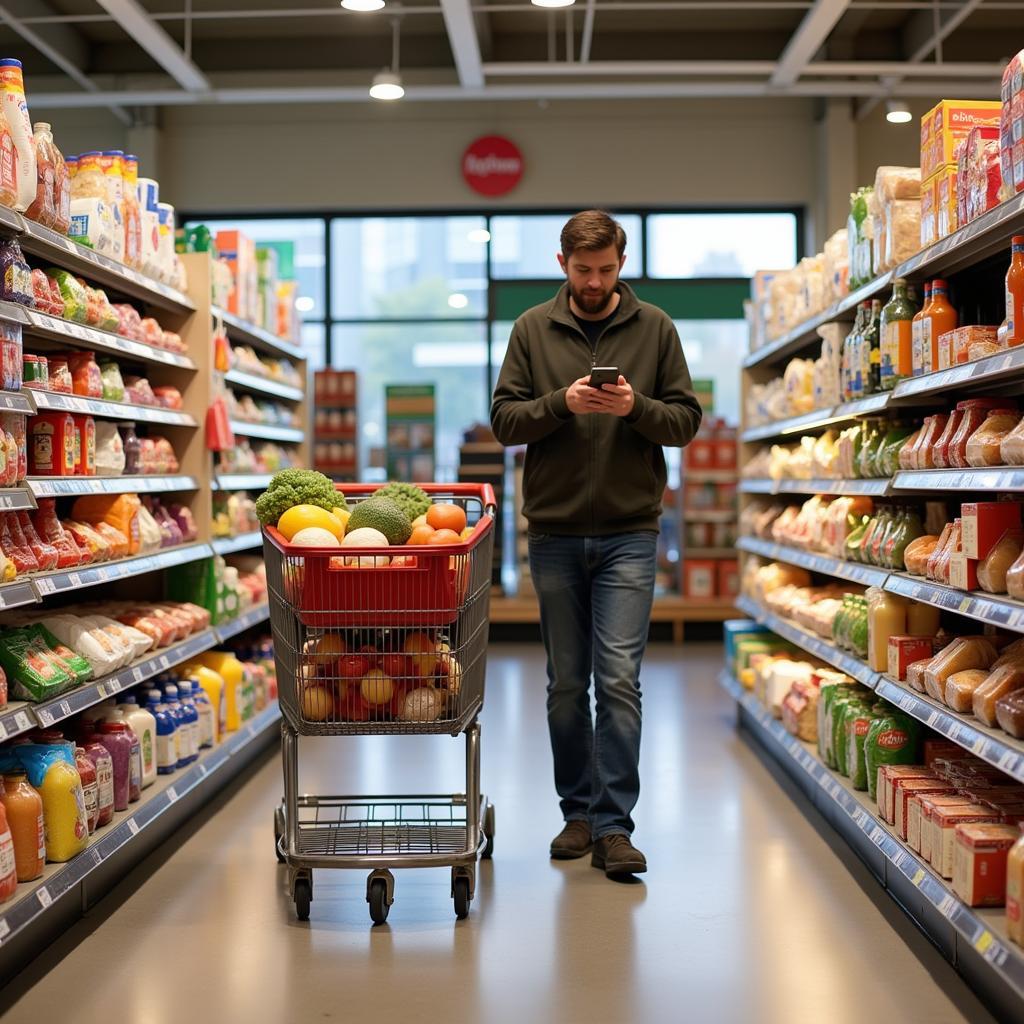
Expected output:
{"points": [[983, 446], [1011, 447], [1011, 652], [940, 546], [915, 674], [1015, 579], [960, 655], [1010, 713], [1000, 682], [917, 553], [960, 687], [992, 569]]}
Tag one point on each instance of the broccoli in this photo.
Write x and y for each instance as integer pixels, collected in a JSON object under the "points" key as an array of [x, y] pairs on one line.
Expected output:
{"points": [[408, 497], [293, 487]]}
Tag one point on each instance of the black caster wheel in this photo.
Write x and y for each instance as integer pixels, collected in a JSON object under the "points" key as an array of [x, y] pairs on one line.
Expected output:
{"points": [[488, 851], [303, 898], [278, 833], [461, 896], [377, 897]]}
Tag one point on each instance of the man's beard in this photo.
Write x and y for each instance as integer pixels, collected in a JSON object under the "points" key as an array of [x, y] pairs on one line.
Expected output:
{"points": [[592, 303]]}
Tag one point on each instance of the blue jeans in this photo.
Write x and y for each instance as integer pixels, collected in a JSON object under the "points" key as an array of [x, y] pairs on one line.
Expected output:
{"points": [[595, 597]]}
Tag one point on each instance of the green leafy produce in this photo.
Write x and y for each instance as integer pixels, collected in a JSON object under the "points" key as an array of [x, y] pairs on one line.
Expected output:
{"points": [[384, 515], [411, 499], [293, 487]]}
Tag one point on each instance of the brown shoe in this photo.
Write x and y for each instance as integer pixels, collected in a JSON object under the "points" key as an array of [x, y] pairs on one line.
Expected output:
{"points": [[573, 841], [616, 855]]}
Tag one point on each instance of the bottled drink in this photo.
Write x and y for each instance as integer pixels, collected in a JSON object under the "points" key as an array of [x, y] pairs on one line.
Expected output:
{"points": [[916, 333], [872, 347], [166, 729], [939, 318], [1014, 322], [850, 356], [896, 336], [192, 718]]}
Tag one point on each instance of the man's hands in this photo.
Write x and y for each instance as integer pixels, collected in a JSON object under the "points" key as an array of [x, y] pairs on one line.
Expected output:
{"points": [[611, 399]]}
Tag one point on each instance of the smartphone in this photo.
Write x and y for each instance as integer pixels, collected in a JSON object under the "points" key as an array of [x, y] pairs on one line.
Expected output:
{"points": [[604, 375]]}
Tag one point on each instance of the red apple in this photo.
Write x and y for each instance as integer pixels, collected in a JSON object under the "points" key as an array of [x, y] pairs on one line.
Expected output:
{"points": [[355, 666], [398, 666]]}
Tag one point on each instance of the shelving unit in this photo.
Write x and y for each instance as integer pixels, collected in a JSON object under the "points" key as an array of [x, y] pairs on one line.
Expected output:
{"points": [[243, 542], [853, 572]]}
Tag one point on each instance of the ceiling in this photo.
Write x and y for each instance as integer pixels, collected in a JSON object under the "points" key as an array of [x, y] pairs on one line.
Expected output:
{"points": [[129, 54]]}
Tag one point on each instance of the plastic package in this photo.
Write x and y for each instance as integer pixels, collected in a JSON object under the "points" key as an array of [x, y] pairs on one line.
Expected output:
{"points": [[902, 231], [76, 303], [169, 397], [975, 411], [52, 771], [113, 385], [915, 674], [960, 688], [983, 446], [1002, 681], [1011, 446], [110, 460], [118, 511], [33, 672], [8, 165], [993, 568], [44, 207], [139, 392], [182, 515], [15, 275], [59, 374], [1010, 713], [86, 379], [960, 655], [1015, 579], [45, 554]]}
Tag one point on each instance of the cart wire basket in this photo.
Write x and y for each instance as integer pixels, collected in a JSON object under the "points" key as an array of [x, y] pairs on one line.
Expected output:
{"points": [[383, 641]]}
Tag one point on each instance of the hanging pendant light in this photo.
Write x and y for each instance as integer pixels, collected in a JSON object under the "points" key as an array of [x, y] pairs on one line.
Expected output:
{"points": [[387, 84], [362, 6]]}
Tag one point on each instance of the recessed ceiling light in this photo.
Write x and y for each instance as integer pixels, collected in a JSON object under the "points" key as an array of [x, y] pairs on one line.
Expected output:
{"points": [[553, 3], [387, 86], [362, 5], [458, 301], [481, 235], [897, 112]]}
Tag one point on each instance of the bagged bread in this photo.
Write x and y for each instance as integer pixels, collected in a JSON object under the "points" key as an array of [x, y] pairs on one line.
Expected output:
{"points": [[1015, 579], [960, 655], [984, 445], [917, 553], [1000, 682], [897, 183], [915, 674], [960, 688], [992, 569], [1010, 713], [1011, 447], [902, 230], [136, 642]]}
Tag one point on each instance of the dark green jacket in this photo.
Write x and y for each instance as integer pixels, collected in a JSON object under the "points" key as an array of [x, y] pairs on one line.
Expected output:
{"points": [[594, 474]]}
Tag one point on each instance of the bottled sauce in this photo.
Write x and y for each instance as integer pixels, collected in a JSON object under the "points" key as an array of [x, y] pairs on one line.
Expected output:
{"points": [[851, 355], [61, 191], [185, 734], [8, 865], [132, 449], [15, 108], [115, 736], [939, 317], [166, 726], [104, 765], [90, 788], [916, 332], [143, 725], [192, 715], [44, 207], [872, 346], [1012, 329], [24, 808], [896, 336]]}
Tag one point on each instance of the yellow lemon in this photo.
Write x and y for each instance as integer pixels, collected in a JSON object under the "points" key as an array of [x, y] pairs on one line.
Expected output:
{"points": [[301, 517]]}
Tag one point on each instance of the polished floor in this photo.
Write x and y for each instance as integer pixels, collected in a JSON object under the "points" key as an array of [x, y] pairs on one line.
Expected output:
{"points": [[748, 913]]}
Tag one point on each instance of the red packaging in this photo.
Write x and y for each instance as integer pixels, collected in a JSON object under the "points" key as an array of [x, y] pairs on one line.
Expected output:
{"points": [[985, 522], [48, 527], [60, 375], [699, 578], [979, 863], [90, 788], [45, 554], [728, 578], [15, 546], [963, 572], [922, 455], [975, 410], [52, 448], [85, 427], [85, 375], [940, 456], [701, 453], [905, 650], [903, 789]]}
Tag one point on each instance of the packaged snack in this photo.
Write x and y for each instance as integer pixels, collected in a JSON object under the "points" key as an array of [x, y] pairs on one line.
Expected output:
{"points": [[76, 302], [960, 688], [93, 546], [119, 511], [168, 527], [975, 411], [15, 275], [85, 375], [71, 661], [139, 392], [48, 527], [151, 537], [44, 208], [182, 515], [960, 655], [129, 321], [119, 546], [992, 569], [152, 332], [169, 397], [110, 458], [59, 374], [45, 553], [112, 384], [983, 446], [15, 546], [1010, 713], [31, 673], [1001, 682], [892, 739]]}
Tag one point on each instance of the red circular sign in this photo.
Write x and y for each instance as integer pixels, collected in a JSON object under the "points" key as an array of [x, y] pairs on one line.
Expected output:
{"points": [[492, 166]]}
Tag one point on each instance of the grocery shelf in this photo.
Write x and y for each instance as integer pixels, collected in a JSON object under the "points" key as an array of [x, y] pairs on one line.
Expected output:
{"points": [[17, 593], [60, 402], [707, 553], [15, 718], [992, 745], [998, 478], [53, 247], [867, 406], [253, 617], [975, 941], [243, 542], [16, 499], [792, 425], [66, 332], [853, 572], [267, 431], [810, 642], [995, 610], [74, 887], [709, 515], [696, 476], [241, 481], [60, 487], [259, 338], [63, 580], [878, 488], [263, 386], [75, 701], [980, 373], [759, 485], [17, 401], [806, 332]]}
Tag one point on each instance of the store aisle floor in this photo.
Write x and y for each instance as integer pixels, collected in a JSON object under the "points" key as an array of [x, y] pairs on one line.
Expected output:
{"points": [[747, 914]]}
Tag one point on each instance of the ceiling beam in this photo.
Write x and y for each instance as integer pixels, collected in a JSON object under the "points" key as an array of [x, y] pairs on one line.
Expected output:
{"points": [[135, 20], [458, 21], [60, 44], [808, 39]]}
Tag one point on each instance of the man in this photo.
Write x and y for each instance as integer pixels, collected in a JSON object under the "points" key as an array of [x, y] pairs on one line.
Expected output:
{"points": [[593, 486]]}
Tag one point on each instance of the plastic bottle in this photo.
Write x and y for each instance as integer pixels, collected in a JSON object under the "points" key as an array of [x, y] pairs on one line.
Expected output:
{"points": [[166, 727], [117, 738], [896, 336], [1012, 329], [111, 163], [60, 786], [192, 712], [212, 684], [149, 213], [8, 164], [8, 864], [165, 250], [132, 214], [143, 725], [43, 209], [183, 734], [90, 788], [207, 716], [61, 191], [851, 354], [24, 808], [939, 318], [229, 668], [104, 765], [916, 332], [15, 107]]}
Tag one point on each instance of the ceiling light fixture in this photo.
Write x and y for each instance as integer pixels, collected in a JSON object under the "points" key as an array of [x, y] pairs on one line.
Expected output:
{"points": [[362, 5], [387, 84], [897, 112], [479, 235], [553, 3]]}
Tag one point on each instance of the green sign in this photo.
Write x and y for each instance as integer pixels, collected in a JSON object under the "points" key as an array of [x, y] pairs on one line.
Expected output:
{"points": [[411, 413]]}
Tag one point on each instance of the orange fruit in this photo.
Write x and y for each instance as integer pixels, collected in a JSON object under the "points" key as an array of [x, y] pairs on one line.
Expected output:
{"points": [[421, 534], [444, 537], [447, 517]]}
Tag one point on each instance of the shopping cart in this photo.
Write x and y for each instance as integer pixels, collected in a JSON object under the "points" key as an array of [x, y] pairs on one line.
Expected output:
{"points": [[392, 641]]}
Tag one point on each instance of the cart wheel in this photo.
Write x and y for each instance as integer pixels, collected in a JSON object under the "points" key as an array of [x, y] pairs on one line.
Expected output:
{"points": [[488, 851], [278, 833], [460, 890], [377, 897], [303, 897]]}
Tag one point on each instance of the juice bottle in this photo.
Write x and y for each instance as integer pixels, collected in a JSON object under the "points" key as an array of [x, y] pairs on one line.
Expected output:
{"points": [[192, 715], [104, 765], [143, 725], [8, 865], [207, 716], [851, 356], [52, 771], [939, 318], [229, 668], [166, 726], [896, 336], [8, 165], [873, 349], [90, 788], [917, 332], [115, 736], [24, 808], [1012, 328], [15, 108]]}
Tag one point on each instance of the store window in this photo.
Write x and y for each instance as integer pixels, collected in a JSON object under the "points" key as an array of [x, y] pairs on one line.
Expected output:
{"points": [[711, 349], [688, 245]]}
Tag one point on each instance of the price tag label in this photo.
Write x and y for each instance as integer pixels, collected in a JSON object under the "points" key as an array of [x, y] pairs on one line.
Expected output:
{"points": [[3, 730], [75, 578], [133, 826], [918, 878], [983, 941], [907, 702], [203, 770], [45, 717], [172, 794], [21, 720], [948, 906], [5, 929], [137, 674], [979, 744], [44, 897], [877, 836], [65, 708], [45, 585], [900, 858], [933, 718], [1008, 760]]}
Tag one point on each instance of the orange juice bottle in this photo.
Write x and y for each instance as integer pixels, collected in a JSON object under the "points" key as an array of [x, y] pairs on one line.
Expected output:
{"points": [[1014, 322], [24, 807], [939, 317], [917, 333]]}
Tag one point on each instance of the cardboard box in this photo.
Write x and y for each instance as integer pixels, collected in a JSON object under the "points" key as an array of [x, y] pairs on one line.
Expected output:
{"points": [[945, 821], [728, 581], [699, 578], [979, 863], [887, 776], [700, 454], [947, 219], [905, 650], [984, 523], [725, 453], [736, 630], [963, 572], [947, 124], [903, 789]]}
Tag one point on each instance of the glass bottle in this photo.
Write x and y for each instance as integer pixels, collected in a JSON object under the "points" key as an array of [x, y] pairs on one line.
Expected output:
{"points": [[872, 338], [850, 356], [939, 318], [1012, 329], [917, 332], [896, 336]]}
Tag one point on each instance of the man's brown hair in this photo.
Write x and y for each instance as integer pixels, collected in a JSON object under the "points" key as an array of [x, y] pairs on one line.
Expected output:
{"points": [[591, 231]]}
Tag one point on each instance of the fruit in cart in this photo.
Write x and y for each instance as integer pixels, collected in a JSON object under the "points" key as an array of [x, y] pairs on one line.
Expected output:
{"points": [[413, 500], [293, 487], [365, 537], [317, 703], [397, 666], [315, 537], [444, 516], [421, 534], [466, 533], [355, 665], [342, 515], [449, 673], [444, 536], [422, 654], [420, 521], [300, 517], [384, 515], [327, 654], [422, 705], [376, 687]]}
